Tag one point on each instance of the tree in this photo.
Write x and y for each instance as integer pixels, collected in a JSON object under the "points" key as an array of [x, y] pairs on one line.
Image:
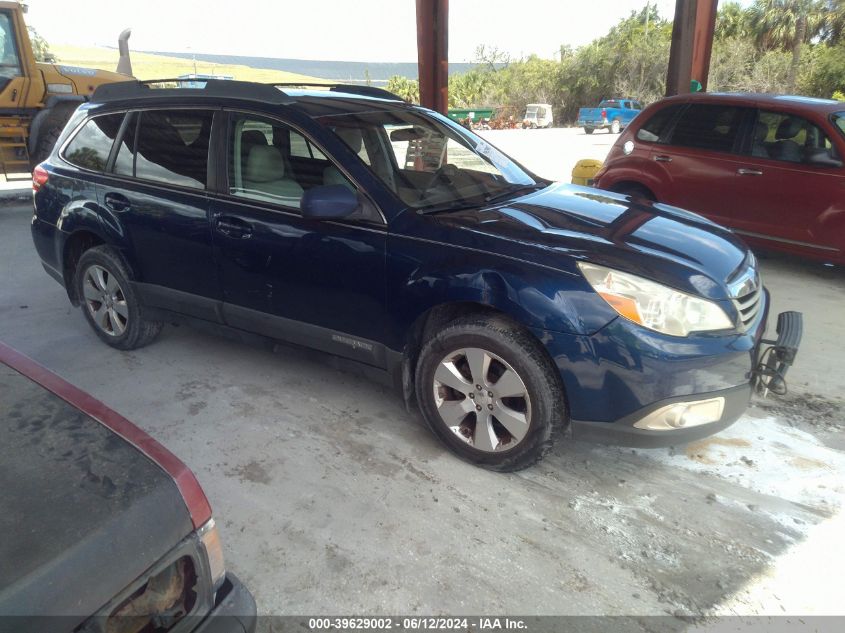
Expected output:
{"points": [[834, 28], [40, 48], [732, 21], [787, 25], [408, 89]]}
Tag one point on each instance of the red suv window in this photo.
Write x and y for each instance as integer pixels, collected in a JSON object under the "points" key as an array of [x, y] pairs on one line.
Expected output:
{"points": [[658, 124], [784, 136]]}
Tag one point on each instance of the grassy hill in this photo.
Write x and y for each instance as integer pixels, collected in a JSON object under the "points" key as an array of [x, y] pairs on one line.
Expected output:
{"points": [[149, 66]]}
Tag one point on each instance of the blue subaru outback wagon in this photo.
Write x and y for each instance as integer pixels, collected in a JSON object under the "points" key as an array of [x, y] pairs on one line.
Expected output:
{"points": [[511, 310]]}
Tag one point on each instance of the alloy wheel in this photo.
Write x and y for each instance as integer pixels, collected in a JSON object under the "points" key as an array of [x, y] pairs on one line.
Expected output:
{"points": [[482, 399], [105, 300]]}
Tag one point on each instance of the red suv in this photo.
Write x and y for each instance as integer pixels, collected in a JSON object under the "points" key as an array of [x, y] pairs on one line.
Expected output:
{"points": [[769, 167]]}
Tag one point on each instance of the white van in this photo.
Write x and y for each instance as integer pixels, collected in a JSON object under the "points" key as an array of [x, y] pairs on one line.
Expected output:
{"points": [[538, 115]]}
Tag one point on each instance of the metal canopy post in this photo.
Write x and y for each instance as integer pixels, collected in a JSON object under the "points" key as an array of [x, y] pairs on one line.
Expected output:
{"points": [[692, 43], [433, 53]]}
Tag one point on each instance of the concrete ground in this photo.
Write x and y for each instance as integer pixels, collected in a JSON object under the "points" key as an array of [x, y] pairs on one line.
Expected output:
{"points": [[332, 499]]}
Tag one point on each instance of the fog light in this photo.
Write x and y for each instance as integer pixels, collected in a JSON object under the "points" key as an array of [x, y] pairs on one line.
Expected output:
{"points": [[683, 415]]}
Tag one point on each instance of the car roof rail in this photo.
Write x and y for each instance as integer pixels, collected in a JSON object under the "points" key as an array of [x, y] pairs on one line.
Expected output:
{"points": [[209, 88], [364, 91]]}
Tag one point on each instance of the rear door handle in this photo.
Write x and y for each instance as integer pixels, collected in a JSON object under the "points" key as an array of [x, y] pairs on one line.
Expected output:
{"points": [[232, 227], [116, 201], [744, 171], [662, 158]]}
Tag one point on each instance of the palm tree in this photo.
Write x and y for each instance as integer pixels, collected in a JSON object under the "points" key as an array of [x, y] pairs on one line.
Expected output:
{"points": [[787, 25], [731, 21], [834, 29]]}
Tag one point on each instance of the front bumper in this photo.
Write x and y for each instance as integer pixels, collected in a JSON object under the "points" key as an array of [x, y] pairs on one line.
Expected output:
{"points": [[234, 610], [623, 432], [619, 376]]}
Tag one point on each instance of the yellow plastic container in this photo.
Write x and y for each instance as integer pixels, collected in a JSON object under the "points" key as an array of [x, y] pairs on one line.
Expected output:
{"points": [[585, 171]]}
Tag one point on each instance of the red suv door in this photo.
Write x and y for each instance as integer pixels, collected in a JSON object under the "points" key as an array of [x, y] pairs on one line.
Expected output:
{"points": [[791, 186], [697, 164]]}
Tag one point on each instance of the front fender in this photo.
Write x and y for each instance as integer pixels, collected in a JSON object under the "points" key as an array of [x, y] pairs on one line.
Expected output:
{"points": [[534, 295]]}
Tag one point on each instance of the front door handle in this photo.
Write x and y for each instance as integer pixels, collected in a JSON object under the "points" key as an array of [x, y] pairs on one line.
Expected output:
{"points": [[233, 227], [116, 201], [662, 158], [744, 171]]}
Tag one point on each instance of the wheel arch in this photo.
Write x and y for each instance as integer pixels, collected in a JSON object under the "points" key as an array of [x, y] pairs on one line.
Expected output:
{"points": [[74, 246], [427, 324], [620, 186]]}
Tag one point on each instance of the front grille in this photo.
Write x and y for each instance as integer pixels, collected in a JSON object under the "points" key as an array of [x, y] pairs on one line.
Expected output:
{"points": [[746, 291], [748, 306]]}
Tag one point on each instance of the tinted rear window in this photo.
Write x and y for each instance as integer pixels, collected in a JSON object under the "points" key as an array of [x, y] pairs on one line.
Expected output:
{"points": [[657, 126], [711, 127], [91, 146], [172, 147]]}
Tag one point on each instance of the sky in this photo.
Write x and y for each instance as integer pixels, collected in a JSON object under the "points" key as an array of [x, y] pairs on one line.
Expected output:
{"points": [[353, 30]]}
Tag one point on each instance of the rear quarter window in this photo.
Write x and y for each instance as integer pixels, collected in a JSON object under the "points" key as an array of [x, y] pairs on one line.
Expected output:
{"points": [[658, 124], [91, 146]]}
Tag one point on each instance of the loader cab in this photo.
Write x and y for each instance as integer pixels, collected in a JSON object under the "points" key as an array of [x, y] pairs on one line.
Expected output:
{"points": [[19, 75]]}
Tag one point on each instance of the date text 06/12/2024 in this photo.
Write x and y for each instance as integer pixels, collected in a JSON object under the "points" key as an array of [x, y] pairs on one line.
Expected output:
{"points": [[417, 624]]}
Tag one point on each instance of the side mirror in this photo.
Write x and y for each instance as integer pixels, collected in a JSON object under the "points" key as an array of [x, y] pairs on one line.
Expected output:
{"points": [[328, 202]]}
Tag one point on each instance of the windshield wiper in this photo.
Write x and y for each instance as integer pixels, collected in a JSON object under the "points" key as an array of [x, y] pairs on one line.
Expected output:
{"points": [[510, 193], [454, 205], [458, 205]]}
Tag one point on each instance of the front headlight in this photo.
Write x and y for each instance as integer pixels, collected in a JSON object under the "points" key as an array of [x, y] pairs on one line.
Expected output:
{"points": [[654, 305]]}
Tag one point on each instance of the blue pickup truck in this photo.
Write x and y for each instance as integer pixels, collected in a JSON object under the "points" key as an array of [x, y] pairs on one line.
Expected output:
{"points": [[611, 114]]}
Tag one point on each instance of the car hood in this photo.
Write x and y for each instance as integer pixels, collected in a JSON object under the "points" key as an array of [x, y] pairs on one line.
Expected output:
{"points": [[563, 224], [84, 512]]}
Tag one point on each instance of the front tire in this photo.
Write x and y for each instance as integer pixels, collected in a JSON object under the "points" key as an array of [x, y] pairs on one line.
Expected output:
{"points": [[109, 302], [51, 129], [489, 392]]}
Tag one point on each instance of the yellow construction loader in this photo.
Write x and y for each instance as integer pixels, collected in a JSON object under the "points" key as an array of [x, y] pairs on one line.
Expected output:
{"points": [[37, 98]]}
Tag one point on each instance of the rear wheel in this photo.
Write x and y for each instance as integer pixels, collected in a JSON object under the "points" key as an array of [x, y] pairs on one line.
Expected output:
{"points": [[634, 190], [615, 126], [488, 391], [109, 302], [589, 130]]}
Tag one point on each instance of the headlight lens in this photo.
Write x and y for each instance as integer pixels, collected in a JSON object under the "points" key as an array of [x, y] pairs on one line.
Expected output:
{"points": [[654, 305]]}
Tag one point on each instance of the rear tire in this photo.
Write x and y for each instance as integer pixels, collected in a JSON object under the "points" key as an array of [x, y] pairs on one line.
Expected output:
{"points": [[110, 304], [589, 130], [506, 413], [635, 191]]}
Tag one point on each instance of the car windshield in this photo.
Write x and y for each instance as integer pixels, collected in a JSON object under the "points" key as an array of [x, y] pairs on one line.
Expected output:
{"points": [[428, 161]]}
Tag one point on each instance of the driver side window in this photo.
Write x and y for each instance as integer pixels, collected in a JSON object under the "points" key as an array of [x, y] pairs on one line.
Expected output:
{"points": [[785, 137]]}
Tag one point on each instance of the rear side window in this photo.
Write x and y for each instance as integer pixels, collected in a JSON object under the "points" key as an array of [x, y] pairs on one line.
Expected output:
{"points": [[91, 146], [169, 146], [711, 127], [656, 127]]}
